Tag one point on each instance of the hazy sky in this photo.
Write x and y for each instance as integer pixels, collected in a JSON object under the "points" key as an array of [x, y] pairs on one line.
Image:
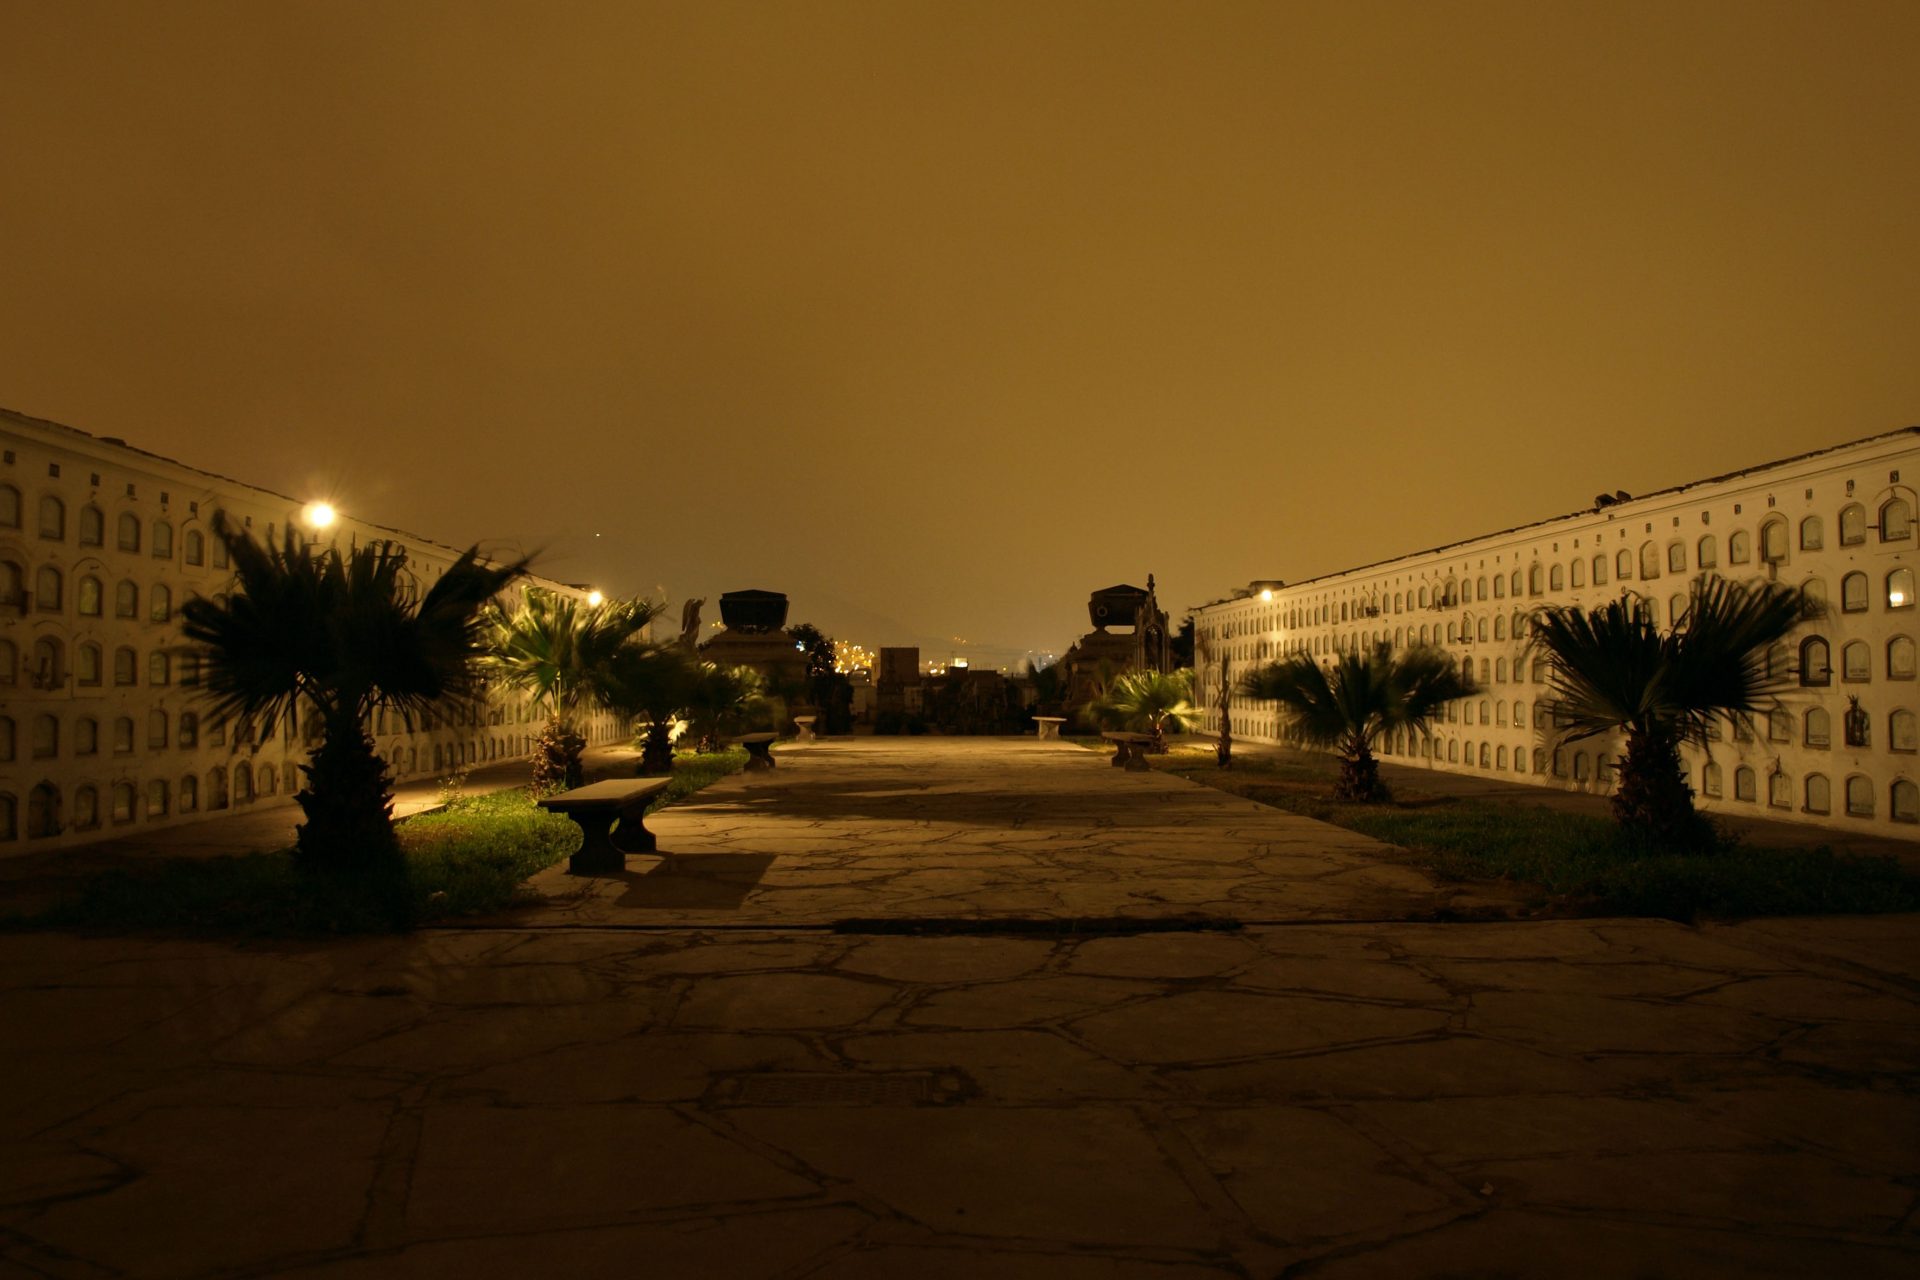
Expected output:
{"points": [[938, 316]]}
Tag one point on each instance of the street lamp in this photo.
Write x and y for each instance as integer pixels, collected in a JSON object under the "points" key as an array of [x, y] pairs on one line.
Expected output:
{"points": [[319, 515], [595, 599]]}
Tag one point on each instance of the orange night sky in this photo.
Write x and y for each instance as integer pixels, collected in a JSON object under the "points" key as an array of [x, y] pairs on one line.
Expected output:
{"points": [[937, 316]]}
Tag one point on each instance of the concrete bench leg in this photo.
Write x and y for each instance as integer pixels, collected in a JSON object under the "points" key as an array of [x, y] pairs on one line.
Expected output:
{"points": [[758, 757], [597, 854], [1120, 755], [632, 836], [1137, 759]]}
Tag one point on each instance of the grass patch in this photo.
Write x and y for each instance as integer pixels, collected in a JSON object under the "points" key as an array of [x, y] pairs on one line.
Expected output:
{"points": [[1579, 863], [469, 858]]}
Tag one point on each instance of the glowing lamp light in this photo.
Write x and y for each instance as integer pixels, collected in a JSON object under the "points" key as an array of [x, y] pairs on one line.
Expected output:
{"points": [[595, 599], [1266, 595], [1897, 597], [318, 515]]}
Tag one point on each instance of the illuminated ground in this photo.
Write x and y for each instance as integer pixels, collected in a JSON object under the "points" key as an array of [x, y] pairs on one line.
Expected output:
{"points": [[898, 828], [1555, 1098]]}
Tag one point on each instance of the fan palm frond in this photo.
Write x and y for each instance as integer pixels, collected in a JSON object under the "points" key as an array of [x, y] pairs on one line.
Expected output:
{"points": [[342, 633], [1361, 695], [1613, 670]]}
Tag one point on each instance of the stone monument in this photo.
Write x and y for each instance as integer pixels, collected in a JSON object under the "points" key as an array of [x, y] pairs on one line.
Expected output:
{"points": [[1146, 644], [755, 636]]}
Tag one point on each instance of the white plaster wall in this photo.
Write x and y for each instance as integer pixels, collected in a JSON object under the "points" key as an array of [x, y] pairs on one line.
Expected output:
{"points": [[154, 492], [1385, 602]]}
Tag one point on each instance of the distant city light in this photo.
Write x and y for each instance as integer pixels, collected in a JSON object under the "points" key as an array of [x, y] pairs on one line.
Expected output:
{"points": [[318, 515], [849, 657]]}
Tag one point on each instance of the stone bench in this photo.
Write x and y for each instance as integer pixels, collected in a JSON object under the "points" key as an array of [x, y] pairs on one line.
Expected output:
{"points": [[1130, 750], [805, 725], [1049, 726], [595, 809], [759, 755]]}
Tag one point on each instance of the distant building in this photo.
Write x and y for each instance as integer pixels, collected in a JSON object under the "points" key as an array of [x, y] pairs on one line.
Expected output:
{"points": [[1840, 523], [898, 688], [101, 726]]}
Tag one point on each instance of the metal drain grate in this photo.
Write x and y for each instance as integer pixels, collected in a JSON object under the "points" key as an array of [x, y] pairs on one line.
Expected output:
{"points": [[835, 1089]]}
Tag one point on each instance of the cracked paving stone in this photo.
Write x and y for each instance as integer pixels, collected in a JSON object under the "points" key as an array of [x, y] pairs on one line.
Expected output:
{"points": [[1377, 977], [564, 1090], [1590, 1247], [1457, 1066], [1006, 1066], [1090, 1175], [519, 1168], [1023, 1000], [725, 957], [1472, 1130], [1623, 978], [1301, 1175], [938, 961], [1867, 1127], [1205, 1026], [1812, 999], [1889, 1047], [475, 1034], [749, 1246], [659, 1066], [926, 1263], [775, 1001], [53, 1170], [1779, 1188], [1601, 1024], [1169, 956], [212, 1186]]}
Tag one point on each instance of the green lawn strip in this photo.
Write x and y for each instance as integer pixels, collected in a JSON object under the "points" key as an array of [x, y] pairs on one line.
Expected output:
{"points": [[469, 858], [1579, 862]]}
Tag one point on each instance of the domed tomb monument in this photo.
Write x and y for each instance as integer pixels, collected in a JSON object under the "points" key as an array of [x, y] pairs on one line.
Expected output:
{"points": [[1146, 644], [755, 636]]}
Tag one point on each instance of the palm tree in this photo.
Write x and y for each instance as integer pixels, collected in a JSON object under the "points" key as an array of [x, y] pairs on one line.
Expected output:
{"points": [[1221, 685], [1612, 669], [653, 683], [338, 636], [722, 697], [1348, 705], [1151, 702], [558, 650], [1098, 712]]}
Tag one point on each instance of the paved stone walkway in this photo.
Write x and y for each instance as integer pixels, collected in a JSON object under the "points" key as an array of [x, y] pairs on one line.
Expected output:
{"points": [[1317, 1099], [985, 827]]}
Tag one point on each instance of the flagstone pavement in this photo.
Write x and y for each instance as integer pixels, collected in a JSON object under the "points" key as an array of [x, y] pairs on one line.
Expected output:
{"points": [[984, 827], [598, 1086]]}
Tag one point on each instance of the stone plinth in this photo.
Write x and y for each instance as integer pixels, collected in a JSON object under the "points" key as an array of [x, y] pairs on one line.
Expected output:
{"points": [[772, 653]]}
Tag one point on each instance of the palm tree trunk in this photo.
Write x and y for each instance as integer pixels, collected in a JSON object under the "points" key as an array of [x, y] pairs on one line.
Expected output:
{"points": [[1654, 802], [556, 758], [656, 754], [1359, 776], [1223, 749], [348, 802]]}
